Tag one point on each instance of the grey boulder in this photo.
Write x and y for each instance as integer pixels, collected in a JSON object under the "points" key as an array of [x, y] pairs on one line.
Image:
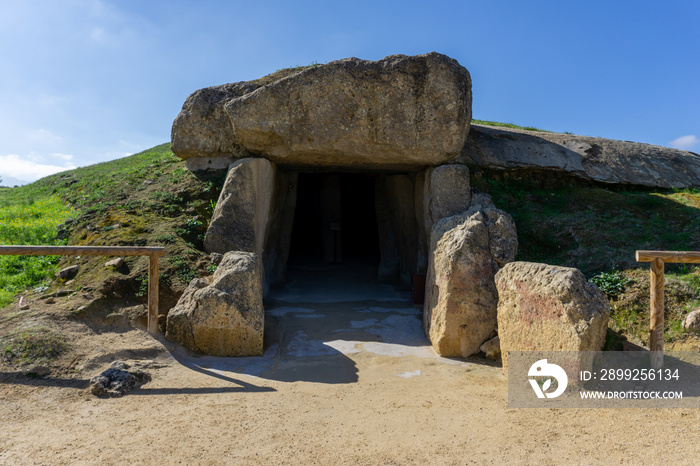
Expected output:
{"points": [[549, 308], [224, 317], [398, 111], [467, 250], [589, 158]]}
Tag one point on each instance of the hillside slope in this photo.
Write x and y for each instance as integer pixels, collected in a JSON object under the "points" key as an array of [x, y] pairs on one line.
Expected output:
{"points": [[145, 199], [151, 199]]}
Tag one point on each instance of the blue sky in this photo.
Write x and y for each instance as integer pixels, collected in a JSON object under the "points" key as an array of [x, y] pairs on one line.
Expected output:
{"points": [[85, 81]]}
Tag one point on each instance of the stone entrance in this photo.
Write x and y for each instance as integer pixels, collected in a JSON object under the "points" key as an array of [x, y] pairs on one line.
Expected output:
{"points": [[337, 163]]}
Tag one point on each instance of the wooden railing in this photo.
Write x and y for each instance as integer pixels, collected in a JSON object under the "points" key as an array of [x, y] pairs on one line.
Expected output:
{"points": [[153, 254], [656, 312]]}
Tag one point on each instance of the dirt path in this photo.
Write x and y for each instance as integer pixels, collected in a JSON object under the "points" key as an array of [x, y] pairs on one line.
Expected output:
{"points": [[340, 383]]}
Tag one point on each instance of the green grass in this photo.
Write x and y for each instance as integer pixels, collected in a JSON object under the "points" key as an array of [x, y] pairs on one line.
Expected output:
{"points": [[611, 283], [31, 346], [28, 216], [149, 198], [594, 228], [299, 67], [507, 125], [597, 230]]}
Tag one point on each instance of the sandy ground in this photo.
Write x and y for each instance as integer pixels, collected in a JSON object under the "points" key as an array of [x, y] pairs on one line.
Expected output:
{"points": [[342, 382]]}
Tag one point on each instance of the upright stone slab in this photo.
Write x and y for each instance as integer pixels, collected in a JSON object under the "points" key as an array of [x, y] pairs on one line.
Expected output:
{"points": [[239, 221], [224, 317], [390, 258], [423, 232], [279, 232], [446, 192], [466, 252], [396, 218], [401, 111], [549, 308], [331, 219]]}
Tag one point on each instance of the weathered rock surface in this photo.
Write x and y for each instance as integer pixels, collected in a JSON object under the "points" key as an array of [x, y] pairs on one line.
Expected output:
{"points": [[118, 380], [116, 263], [549, 308], [279, 232], [467, 251], [492, 348], [396, 219], [68, 272], [226, 317], [589, 158], [692, 321], [239, 221], [390, 259], [446, 192], [396, 112]]}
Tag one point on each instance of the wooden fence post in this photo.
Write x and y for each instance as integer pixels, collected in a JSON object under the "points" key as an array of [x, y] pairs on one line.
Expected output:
{"points": [[656, 311], [153, 294], [656, 314]]}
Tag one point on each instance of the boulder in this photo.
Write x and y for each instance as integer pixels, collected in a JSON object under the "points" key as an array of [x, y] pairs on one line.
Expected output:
{"points": [[692, 321], [466, 252], [549, 308], [589, 158], [224, 317], [492, 348], [279, 232], [446, 192], [116, 263], [68, 272], [239, 221], [396, 112]]}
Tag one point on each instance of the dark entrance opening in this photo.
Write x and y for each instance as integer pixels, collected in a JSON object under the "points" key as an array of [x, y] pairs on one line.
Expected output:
{"points": [[335, 220]]}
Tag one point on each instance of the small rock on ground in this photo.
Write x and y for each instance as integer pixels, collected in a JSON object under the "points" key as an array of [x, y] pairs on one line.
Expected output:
{"points": [[492, 348], [117, 380], [117, 263], [692, 320], [68, 272]]}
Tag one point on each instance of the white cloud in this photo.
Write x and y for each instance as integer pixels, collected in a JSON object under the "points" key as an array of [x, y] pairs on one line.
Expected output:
{"points": [[685, 142], [62, 156], [14, 166]]}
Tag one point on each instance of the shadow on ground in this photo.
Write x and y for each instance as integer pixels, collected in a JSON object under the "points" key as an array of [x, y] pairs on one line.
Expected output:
{"points": [[321, 321]]}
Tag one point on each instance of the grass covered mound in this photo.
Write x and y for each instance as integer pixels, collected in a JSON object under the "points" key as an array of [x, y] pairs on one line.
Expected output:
{"points": [[151, 199], [145, 199], [507, 125], [597, 229]]}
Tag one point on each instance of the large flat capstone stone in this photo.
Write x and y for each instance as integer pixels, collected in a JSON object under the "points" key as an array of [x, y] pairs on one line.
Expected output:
{"points": [[588, 158], [396, 112]]}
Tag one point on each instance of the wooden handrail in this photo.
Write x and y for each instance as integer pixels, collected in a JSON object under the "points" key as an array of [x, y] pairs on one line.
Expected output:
{"points": [[656, 312], [676, 257], [153, 254], [80, 251]]}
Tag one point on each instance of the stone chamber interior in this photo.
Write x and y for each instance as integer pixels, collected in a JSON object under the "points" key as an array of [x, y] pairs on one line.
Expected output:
{"points": [[335, 222], [346, 228]]}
